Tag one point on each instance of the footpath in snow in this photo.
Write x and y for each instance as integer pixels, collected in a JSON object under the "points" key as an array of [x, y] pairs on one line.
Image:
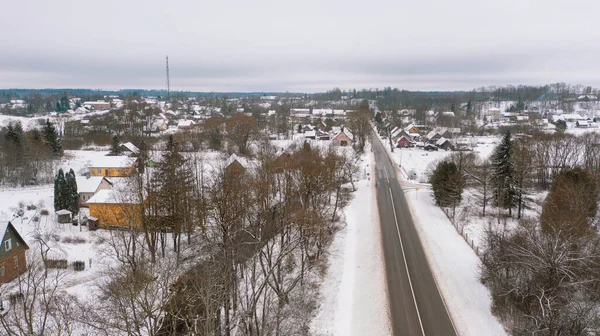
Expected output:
{"points": [[454, 264], [353, 296]]}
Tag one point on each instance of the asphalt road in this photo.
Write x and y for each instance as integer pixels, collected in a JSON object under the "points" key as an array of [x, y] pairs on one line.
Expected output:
{"points": [[416, 305]]}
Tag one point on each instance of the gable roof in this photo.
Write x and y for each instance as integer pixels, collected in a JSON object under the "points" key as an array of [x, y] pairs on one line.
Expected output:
{"points": [[409, 127], [441, 141], [345, 132], [109, 196], [131, 147], [120, 161], [89, 185], [6, 225]]}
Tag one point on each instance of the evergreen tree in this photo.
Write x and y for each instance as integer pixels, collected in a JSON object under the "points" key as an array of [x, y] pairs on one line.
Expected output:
{"points": [[36, 134], [58, 108], [174, 181], [59, 186], [469, 109], [115, 146], [70, 192], [51, 138], [64, 103], [447, 184], [503, 174], [453, 108]]}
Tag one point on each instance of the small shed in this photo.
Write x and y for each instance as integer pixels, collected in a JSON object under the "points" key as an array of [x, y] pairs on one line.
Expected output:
{"points": [[92, 223], [64, 216]]}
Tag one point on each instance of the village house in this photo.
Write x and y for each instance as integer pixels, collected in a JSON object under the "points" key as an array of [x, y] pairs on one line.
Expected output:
{"points": [[432, 137], [129, 149], [13, 261], [404, 142], [444, 144], [113, 166], [114, 209], [343, 138], [185, 124], [582, 124], [87, 187], [97, 105]]}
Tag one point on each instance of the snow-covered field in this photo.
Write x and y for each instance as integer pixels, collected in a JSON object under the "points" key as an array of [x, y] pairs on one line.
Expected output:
{"points": [[353, 295]]}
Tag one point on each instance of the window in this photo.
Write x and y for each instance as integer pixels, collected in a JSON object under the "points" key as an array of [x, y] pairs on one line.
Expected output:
{"points": [[16, 260], [2, 271], [8, 245], [99, 170]]}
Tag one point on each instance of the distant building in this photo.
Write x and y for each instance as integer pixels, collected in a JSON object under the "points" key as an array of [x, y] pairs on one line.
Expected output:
{"points": [[97, 105]]}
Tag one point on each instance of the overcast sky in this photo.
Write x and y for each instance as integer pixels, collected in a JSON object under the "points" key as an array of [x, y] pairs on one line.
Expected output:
{"points": [[304, 45]]}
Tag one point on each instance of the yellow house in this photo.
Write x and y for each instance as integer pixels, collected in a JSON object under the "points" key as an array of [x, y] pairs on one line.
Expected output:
{"points": [[112, 210], [112, 166]]}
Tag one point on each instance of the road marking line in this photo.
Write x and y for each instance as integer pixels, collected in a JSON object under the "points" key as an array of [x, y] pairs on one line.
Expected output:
{"points": [[386, 175], [405, 264]]}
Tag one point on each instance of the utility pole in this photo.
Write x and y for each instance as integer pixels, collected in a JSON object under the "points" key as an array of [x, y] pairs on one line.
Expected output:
{"points": [[168, 82]]}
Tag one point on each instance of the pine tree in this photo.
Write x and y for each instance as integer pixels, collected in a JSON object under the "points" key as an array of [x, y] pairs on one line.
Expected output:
{"points": [[58, 108], [503, 174], [453, 108], [115, 146], [59, 186], [51, 138]]}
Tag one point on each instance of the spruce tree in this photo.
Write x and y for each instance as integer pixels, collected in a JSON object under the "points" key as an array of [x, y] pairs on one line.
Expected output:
{"points": [[469, 108], [503, 174], [51, 138], [59, 186], [174, 181], [70, 191], [115, 147]]}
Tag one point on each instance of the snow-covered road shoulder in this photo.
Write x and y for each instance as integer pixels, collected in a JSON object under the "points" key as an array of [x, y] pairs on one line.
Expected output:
{"points": [[454, 265], [353, 296]]}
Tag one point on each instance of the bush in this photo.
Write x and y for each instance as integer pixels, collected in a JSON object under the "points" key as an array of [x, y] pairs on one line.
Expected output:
{"points": [[35, 219], [44, 212], [79, 265], [74, 240], [31, 207], [57, 263]]}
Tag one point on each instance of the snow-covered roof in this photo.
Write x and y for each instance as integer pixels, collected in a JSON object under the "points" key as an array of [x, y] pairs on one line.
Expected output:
{"points": [[582, 123], [3, 227], [185, 123], [441, 141], [63, 212], [308, 134], [131, 147], [431, 134], [110, 196], [112, 162], [103, 196], [88, 185]]}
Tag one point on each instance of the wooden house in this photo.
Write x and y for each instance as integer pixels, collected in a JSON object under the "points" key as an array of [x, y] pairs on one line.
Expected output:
{"points": [[114, 210], [343, 138], [112, 166], [404, 142], [13, 261], [87, 187]]}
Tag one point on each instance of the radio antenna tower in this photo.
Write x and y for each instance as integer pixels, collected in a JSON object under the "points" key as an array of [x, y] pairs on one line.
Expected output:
{"points": [[168, 82]]}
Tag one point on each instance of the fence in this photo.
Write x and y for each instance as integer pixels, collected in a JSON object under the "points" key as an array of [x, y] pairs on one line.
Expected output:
{"points": [[462, 233]]}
